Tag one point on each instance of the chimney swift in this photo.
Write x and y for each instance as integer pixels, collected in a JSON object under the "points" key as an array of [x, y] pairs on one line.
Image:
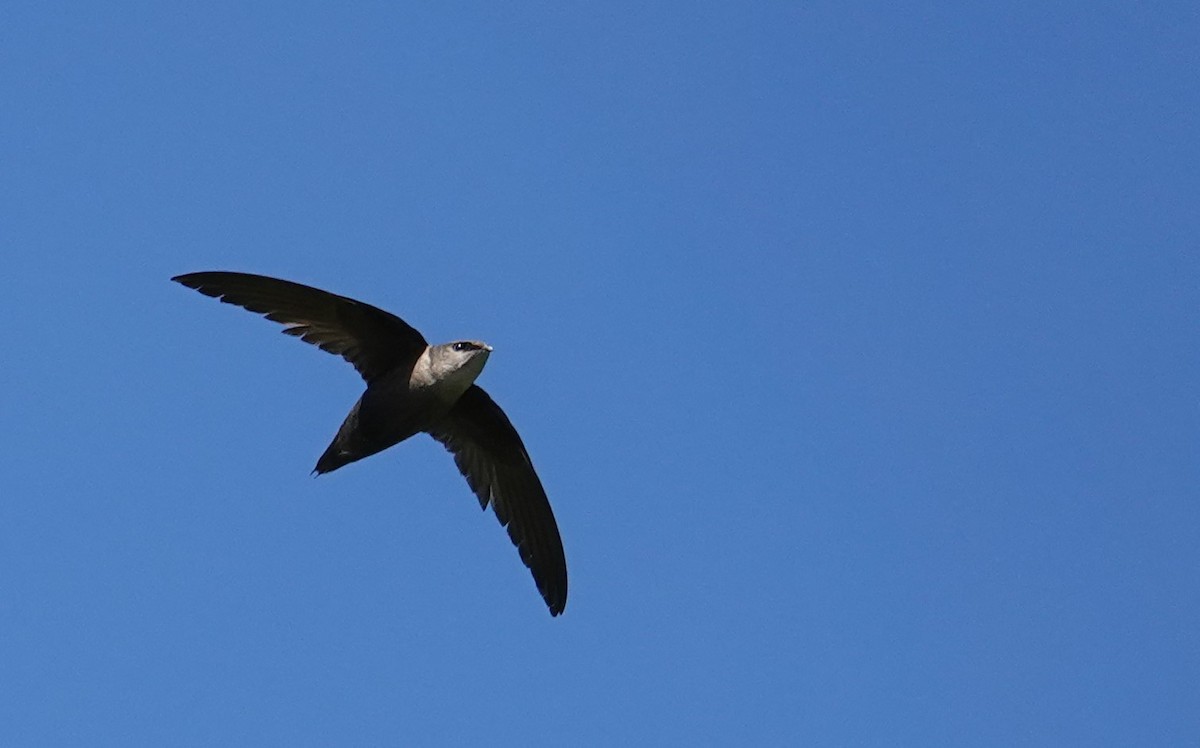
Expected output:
{"points": [[413, 387]]}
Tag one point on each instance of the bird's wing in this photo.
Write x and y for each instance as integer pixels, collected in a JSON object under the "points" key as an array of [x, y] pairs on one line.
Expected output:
{"points": [[372, 340], [492, 458]]}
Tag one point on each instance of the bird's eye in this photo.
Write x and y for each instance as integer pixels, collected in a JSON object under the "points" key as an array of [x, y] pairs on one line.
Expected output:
{"points": [[463, 346]]}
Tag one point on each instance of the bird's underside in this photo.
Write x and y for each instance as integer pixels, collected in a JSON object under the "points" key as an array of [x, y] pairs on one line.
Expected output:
{"points": [[382, 417], [393, 359]]}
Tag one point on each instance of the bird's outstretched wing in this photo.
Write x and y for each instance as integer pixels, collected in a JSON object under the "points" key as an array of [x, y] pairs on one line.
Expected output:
{"points": [[492, 458], [372, 340]]}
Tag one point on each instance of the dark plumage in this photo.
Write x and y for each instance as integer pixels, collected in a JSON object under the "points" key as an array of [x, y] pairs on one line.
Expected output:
{"points": [[414, 387]]}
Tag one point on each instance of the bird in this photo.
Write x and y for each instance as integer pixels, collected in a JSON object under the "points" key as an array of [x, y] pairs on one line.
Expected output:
{"points": [[413, 387]]}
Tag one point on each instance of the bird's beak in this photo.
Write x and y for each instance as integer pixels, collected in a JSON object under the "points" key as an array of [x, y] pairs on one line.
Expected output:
{"points": [[487, 348]]}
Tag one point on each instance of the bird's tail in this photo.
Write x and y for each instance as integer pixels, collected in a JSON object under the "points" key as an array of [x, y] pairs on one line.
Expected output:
{"points": [[333, 458], [343, 450]]}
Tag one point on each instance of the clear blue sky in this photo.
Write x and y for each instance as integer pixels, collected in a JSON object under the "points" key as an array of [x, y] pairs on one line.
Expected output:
{"points": [[856, 347]]}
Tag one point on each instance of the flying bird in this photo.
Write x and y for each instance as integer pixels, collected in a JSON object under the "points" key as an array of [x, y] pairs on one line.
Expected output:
{"points": [[414, 387]]}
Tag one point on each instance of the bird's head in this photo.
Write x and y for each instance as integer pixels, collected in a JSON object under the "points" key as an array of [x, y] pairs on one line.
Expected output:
{"points": [[458, 362]]}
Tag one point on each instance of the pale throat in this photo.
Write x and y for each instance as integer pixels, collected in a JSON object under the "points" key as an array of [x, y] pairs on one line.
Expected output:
{"points": [[444, 378]]}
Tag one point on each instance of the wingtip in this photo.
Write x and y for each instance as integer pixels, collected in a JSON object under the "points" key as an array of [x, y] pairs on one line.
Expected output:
{"points": [[556, 604]]}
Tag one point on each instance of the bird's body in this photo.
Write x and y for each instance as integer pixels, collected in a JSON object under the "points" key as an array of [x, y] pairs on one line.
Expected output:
{"points": [[404, 403], [386, 414], [413, 387]]}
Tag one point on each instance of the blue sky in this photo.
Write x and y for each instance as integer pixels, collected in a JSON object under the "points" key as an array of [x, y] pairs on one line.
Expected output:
{"points": [[855, 346]]}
